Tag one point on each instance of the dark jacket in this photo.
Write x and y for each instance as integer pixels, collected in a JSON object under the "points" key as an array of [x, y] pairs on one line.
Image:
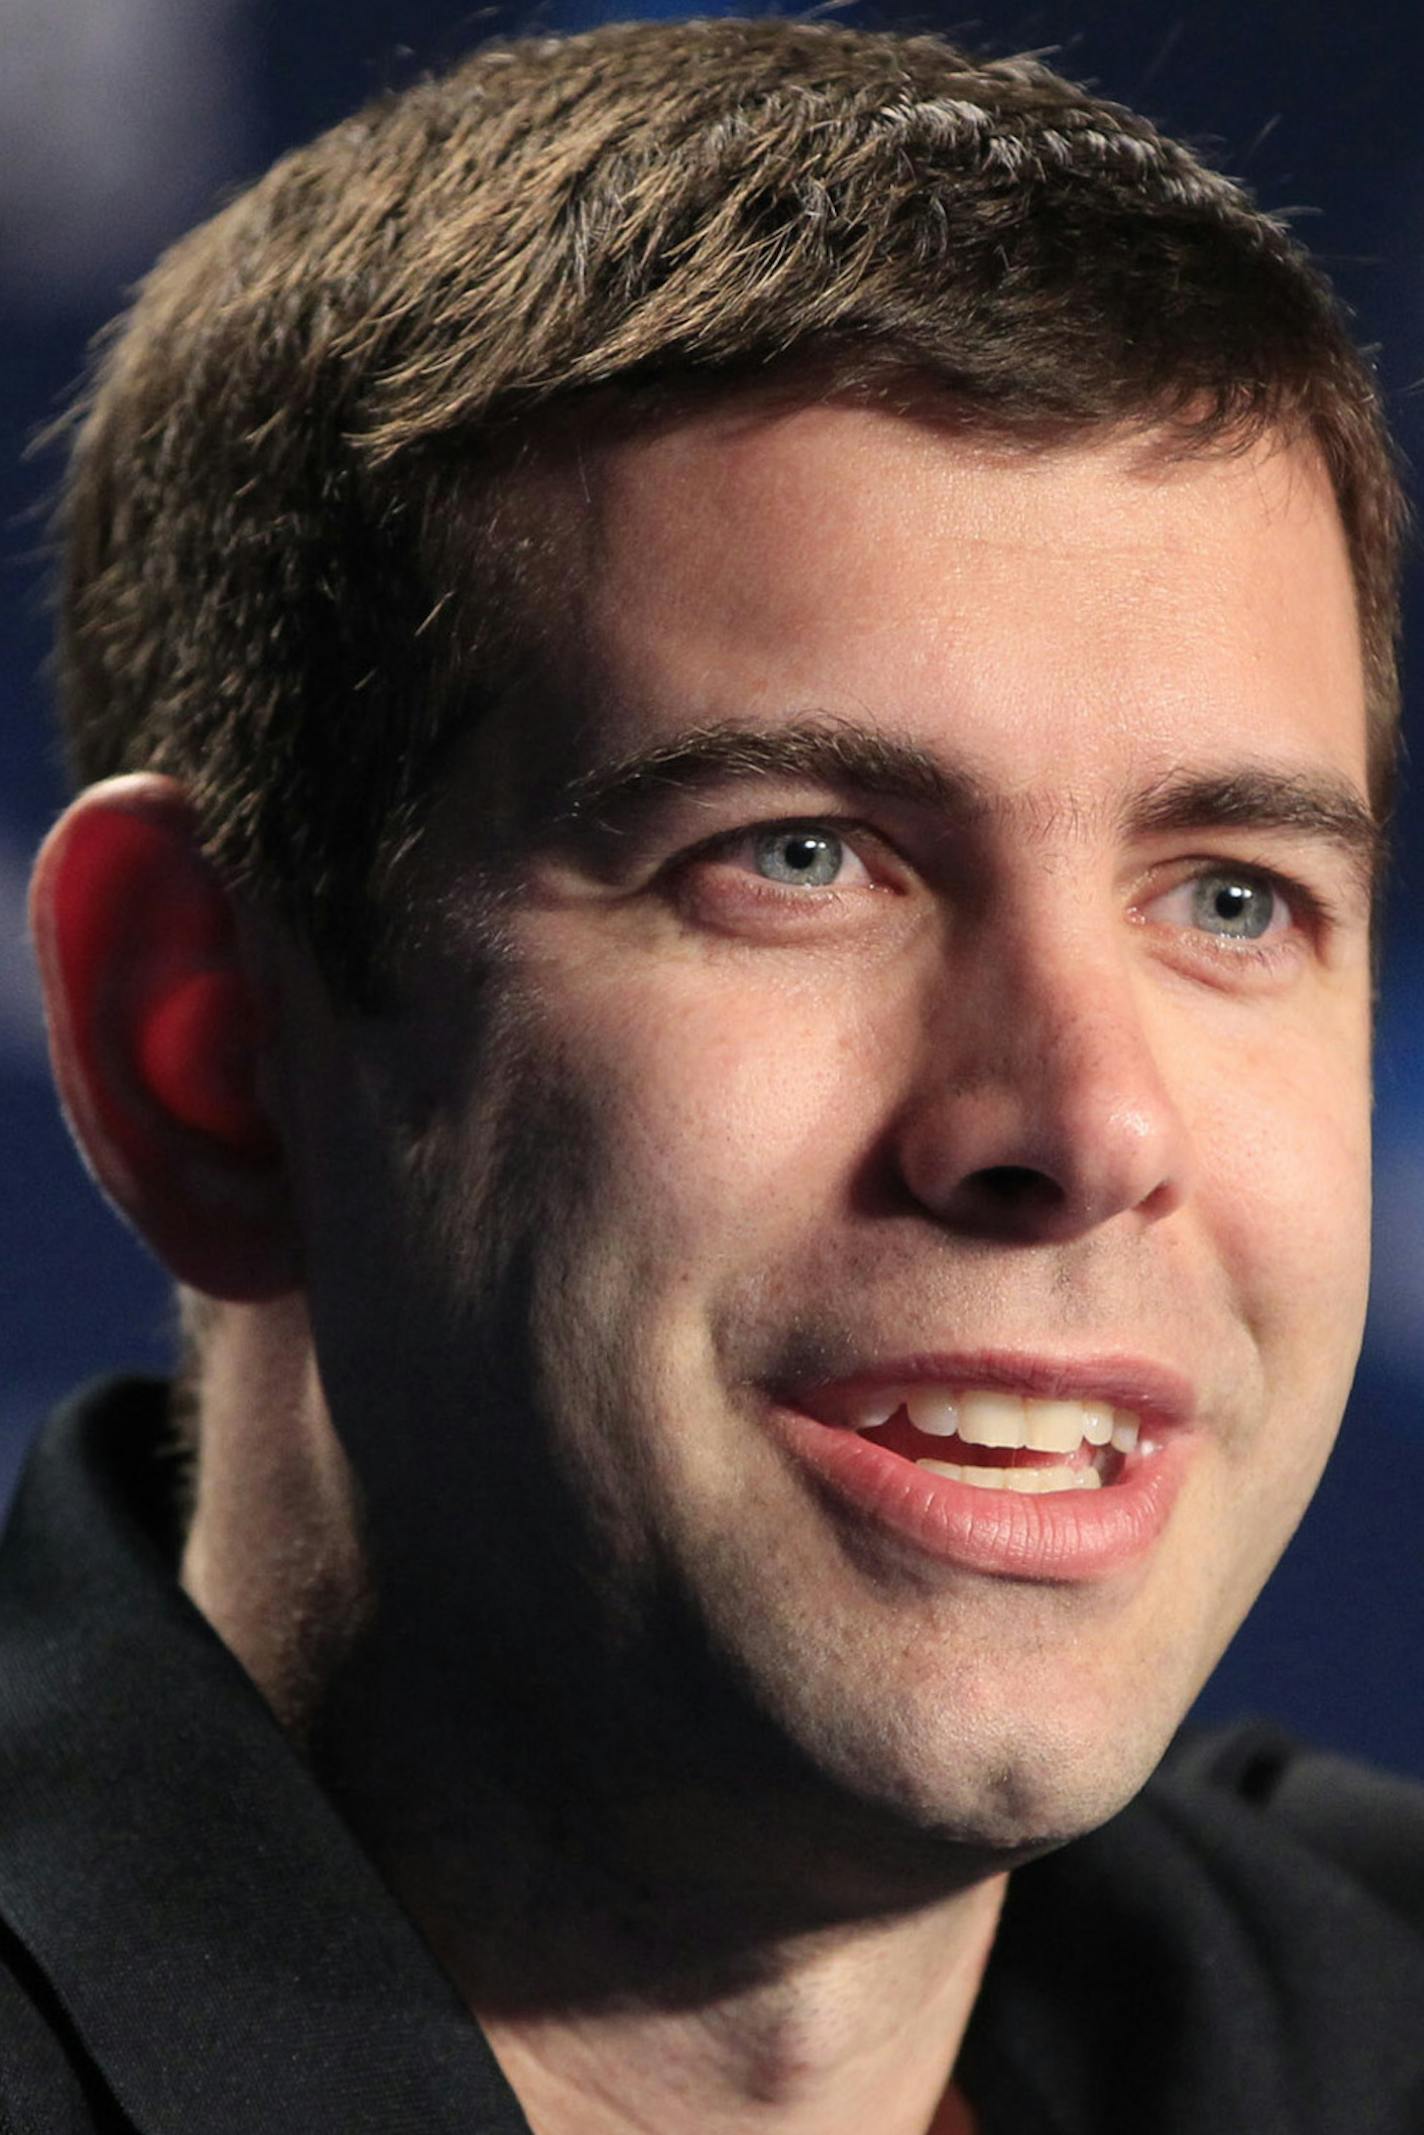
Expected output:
{"points": [[191, 1941]]}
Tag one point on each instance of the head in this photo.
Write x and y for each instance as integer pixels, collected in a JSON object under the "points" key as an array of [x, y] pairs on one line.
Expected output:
{"points": [[297, 568], [478, 529]]}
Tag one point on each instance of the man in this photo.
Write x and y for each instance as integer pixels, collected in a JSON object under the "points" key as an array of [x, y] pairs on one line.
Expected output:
{"points": [[733, 689]]}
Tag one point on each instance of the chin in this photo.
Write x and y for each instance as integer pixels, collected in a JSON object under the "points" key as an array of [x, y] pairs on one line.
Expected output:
{"points": [[1023, 1800], [998, 1782]]}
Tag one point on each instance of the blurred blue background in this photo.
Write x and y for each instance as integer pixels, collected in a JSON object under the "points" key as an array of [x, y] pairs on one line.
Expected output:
{"points": [[123, 121]]}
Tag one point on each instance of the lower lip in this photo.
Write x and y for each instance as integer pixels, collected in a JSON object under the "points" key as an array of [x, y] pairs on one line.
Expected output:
{"points": [[1064, 1535]]}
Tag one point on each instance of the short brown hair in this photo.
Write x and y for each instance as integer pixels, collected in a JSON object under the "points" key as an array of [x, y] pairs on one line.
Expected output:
{"points": [[261, 593]]}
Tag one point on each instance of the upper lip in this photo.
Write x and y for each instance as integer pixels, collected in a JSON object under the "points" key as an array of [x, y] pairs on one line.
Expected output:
{"points": [[1155, 1393]]}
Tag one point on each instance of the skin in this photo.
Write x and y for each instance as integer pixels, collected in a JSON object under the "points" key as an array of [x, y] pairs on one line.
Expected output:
{"points": [[704, 1796]]}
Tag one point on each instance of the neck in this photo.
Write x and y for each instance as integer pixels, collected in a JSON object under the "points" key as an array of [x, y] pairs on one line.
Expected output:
{"points": [[648, 1942], [837, 2033], [274, 1557], [647, 1951]]}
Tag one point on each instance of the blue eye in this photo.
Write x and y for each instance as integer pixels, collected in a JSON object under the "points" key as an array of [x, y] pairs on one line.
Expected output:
{"points": [[1226, 904], [1241, 907], [814, 857]]}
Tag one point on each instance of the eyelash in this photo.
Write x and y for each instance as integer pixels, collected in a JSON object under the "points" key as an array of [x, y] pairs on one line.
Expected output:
{"points": [[1310, 915], [867, 844]]}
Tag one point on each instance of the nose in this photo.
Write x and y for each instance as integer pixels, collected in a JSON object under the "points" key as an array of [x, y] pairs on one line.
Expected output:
{"points": [[1040, 1111]]}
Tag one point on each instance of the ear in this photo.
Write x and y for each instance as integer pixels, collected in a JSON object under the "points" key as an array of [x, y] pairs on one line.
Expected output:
{"points": [[158, 1033]]}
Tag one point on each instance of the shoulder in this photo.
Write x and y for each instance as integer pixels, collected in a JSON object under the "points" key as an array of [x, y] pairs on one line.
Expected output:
{"points": [[1247, 1951], [1365, 1822]]}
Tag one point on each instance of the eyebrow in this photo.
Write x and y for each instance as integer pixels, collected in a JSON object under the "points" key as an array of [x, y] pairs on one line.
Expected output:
{"points": [[831, 752], [1322, 806]]}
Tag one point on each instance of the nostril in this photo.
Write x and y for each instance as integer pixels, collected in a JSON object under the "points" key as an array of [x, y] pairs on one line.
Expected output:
{"points": [[1016, 1186]]}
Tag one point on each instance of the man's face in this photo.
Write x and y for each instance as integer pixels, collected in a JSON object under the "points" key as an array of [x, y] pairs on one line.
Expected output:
{"points": [[994, 1024]]}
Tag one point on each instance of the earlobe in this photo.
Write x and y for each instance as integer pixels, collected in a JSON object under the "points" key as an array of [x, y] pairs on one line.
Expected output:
{"points": [[157, 1032]]}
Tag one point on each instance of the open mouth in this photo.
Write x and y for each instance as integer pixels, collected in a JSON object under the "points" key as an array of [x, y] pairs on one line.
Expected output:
{"points": [[994, 1440], [1036, 1468]]}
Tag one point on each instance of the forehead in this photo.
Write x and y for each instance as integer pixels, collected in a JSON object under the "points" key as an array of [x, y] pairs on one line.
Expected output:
{"points": [[1053, 616]]}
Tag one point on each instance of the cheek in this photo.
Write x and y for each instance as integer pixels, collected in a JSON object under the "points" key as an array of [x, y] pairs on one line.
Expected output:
{"points": [[1285, 1191], [1284, 1166], [722, 1105]]}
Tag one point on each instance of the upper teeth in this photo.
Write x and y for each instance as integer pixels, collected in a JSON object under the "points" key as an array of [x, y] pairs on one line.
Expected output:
{"points": [[985, 1418]]}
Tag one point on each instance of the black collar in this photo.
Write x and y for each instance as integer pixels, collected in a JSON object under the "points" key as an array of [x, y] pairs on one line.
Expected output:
{"points": [[224, 1951]]}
